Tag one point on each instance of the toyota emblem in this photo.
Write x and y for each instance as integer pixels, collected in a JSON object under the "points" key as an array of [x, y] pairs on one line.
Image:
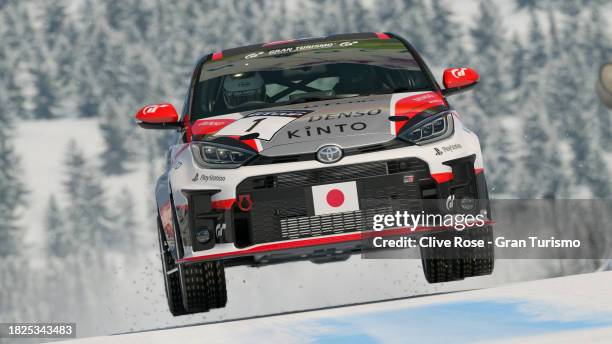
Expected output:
{"points": [[329, 154]]}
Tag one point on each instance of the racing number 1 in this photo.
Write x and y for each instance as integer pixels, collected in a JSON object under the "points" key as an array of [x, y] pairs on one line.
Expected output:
{"points": [[255, 123]]}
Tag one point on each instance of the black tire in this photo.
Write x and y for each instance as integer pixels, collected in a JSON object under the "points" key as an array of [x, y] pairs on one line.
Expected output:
{"points": [[192, 288], [171, 280], [203, 286], [482, 259], [453, 264]]}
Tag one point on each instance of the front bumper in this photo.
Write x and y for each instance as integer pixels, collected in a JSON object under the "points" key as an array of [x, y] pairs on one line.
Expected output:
{"points": [[280, 219], [281, 226]]}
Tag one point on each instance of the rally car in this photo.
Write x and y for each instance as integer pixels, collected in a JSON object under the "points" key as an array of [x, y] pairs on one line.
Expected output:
{"points": [[287, 150]]}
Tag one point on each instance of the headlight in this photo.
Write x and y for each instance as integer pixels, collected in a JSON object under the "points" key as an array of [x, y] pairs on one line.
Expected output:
{"points": [[435, 128], [211, 155]]}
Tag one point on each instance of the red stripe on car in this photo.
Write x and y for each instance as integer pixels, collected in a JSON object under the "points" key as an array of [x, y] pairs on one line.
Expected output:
{"points": [[223, 204], [209, 126], [187, 125], [252, 143], [413, 105], [442, 177], [299, 243], [382, 35]]}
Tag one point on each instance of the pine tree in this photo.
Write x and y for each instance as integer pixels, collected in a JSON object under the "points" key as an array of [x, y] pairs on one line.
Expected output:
{"points": [[75, 168], [413, 24], [540, 174], [576, 112], [58, 240], [45, 98], [25, 84], [87, 215], [488, 37], [491, 96], [518, 62], [94, 211], [12, 189], [536, 54], [526, 3], [592, 163], [599, 49], [604, 120], [116, 133], [553, 33], [124, 222], [357, 18], [54, 22], [447, 36], [66, 82]]}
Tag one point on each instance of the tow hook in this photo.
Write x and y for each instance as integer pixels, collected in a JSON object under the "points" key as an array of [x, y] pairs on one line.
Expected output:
{"points": [[245, 203]]}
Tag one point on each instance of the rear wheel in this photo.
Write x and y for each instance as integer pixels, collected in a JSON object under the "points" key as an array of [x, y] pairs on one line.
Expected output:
{"points": [[442, 264]]}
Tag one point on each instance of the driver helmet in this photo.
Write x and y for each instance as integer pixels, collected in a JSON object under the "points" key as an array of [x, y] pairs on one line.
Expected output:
{"points": [[241, 88]]}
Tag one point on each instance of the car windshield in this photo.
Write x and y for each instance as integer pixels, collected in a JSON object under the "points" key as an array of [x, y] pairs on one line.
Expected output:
{"points": [[304, 73]]}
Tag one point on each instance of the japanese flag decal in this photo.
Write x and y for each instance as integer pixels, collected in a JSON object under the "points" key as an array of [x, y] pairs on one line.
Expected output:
{"points": [[335, 198]]}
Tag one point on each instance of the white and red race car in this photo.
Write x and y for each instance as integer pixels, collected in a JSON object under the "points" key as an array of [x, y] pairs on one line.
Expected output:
{"points": [[287, 150]]}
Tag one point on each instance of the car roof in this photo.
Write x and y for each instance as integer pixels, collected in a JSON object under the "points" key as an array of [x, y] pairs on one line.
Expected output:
{"points": [[253, 48]]}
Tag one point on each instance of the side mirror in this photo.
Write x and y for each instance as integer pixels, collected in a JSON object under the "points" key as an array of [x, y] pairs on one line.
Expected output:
{"points": [[158, 116], [604, 84], [458, 80]]}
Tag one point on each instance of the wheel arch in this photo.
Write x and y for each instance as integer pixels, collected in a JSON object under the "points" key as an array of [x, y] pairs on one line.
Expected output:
{"points": [[167, 214]]}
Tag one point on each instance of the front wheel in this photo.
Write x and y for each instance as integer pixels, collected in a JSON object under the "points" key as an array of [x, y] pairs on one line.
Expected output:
{"points": [[192, 288], [203, 286], [441, 264]]}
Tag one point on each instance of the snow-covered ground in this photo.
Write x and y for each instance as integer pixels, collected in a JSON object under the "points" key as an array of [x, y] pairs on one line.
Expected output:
{"points": [[560, 310]]}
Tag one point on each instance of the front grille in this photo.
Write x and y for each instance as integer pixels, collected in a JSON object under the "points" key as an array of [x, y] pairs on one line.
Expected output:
{"points": [[332, 174], [312, 226], [282, 203], [267, 160]]}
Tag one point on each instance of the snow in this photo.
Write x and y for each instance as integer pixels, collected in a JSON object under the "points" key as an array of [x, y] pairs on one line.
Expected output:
{"points": [[598, 335], [567, 309], [42, 146]]}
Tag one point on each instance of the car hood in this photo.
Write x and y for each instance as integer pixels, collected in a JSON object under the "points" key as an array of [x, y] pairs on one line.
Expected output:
{"points": [[304, 128]]}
